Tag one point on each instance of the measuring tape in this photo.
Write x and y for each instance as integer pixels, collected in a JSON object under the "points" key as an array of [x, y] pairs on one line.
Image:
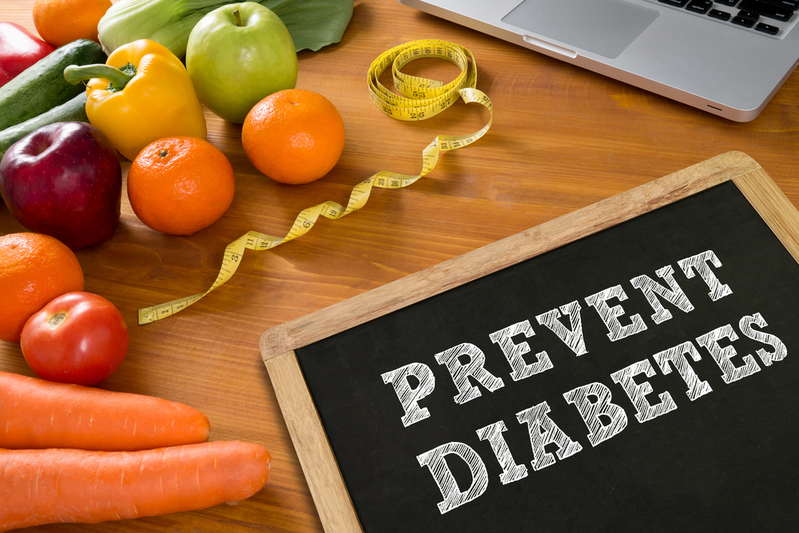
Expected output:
{"points": [[419, 99]]}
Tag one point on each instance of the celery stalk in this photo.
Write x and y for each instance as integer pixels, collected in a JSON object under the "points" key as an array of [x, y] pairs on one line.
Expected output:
{"points": [[168, 22]]}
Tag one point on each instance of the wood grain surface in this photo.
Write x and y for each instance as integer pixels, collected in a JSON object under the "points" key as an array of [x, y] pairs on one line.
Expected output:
{"points": [[562, 139]]}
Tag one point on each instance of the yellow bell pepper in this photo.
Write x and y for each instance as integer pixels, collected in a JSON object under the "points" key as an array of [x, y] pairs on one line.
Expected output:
{"points": [[142, 93]]}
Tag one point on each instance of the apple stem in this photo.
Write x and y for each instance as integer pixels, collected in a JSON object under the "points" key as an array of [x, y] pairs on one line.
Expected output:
{"points": [[117, 78], [238, 17]]}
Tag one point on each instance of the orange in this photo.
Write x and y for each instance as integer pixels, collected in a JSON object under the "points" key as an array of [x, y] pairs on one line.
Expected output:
{"points": [[180, 185], [60, 22], [293, 136], [34, 269]]}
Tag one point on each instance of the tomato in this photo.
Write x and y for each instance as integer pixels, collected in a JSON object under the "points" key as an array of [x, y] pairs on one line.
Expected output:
{"points": [[78, 337]]}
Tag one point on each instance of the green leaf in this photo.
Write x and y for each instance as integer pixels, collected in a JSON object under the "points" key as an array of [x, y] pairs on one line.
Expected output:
{"points": [[313, 24]]}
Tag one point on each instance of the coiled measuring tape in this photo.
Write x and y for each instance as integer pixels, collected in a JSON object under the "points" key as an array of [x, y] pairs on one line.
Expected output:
{"points": [[419, 99]]}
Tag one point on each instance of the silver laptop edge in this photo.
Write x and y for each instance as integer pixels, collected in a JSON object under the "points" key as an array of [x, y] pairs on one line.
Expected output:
{"points": [[734, 80]]}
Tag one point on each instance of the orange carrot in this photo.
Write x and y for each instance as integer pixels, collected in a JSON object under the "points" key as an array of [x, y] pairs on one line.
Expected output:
{"points": [[35, 413], [65, 485]]}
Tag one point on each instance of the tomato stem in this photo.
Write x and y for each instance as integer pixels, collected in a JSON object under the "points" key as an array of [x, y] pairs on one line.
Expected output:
{"points": [[57, 319]]}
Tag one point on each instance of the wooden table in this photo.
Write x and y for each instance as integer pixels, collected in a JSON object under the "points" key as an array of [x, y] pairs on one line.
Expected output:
{"points": [[562, 139]]}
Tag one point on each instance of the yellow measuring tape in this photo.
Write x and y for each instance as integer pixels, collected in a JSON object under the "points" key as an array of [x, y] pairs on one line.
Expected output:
{"points": [[419, 99]]}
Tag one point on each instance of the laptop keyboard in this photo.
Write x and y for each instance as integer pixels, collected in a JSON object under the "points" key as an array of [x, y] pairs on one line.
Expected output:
{"points": [[767, 17]]}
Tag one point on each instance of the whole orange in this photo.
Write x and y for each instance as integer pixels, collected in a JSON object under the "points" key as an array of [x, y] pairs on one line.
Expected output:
{"points": [[293, 136], [60, 22], [180, 185], [34, 269]]}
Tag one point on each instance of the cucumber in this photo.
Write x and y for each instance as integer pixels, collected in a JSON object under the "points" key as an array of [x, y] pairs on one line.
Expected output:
{"points": [[72, 110], [42, 86]]}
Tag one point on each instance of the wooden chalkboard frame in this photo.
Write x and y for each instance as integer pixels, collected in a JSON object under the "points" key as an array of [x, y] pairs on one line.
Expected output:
{"points": [[277, 345]]}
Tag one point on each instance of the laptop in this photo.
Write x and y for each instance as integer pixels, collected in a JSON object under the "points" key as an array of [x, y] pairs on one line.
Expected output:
{"points": [[726, 57]]}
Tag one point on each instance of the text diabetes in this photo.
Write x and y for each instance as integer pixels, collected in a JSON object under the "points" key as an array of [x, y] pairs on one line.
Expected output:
{"points": [[603, 418]]}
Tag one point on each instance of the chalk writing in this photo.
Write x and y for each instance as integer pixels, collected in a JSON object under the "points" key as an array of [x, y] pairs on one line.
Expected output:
{"points": [[603, 417]]}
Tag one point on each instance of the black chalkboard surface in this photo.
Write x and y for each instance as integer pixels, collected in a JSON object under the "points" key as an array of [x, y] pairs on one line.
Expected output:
{"points": [[642, 377]]}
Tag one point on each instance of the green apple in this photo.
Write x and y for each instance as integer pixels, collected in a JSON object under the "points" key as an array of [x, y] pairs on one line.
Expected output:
{"points": [[237, 55]]}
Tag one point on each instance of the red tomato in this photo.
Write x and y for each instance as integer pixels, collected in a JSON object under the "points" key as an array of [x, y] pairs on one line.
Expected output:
{"points": [[78, 337]]}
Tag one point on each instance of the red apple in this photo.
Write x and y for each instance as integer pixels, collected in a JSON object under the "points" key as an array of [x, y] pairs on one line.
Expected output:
{"points": [[64, 180]]}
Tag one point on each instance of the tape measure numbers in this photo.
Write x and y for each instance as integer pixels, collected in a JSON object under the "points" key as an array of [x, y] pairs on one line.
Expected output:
{"points": [[419, 99]]}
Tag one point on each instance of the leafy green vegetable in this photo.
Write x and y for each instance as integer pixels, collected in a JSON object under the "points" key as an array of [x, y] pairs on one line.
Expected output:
{"points": [[313, 24]]}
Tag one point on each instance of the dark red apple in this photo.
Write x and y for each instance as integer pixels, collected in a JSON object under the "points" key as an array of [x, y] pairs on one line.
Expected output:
{"points": [[64, 180]]}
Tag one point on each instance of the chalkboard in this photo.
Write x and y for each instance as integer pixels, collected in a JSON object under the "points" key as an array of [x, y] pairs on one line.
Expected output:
{"points": [[628, 367]]}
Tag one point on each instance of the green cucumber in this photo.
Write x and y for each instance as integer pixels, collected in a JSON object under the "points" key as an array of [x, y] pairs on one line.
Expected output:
{"points": [[73, 110], [42, 86]]}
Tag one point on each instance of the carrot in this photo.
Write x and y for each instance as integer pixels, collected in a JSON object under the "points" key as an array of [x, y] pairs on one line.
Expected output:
{"points": [[35, 413], [65, 485]]}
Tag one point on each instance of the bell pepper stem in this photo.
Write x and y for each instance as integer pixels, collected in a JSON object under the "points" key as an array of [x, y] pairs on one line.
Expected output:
{"points": [[117, 78]]}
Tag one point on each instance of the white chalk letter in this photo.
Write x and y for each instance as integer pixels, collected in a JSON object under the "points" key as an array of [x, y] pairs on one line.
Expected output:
{"points": [[544, 431], [652, 289], [780, 351], [676, 356], [699, 263], [514, 352], [461, 372], [572, 338], [638, 392], [454, 497], [594, 412], [409, 396], [510, 470], [723, 354], [610, 315]]}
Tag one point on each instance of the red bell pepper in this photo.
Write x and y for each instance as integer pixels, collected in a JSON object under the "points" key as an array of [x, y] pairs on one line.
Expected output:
{"points": [[19, 49]]}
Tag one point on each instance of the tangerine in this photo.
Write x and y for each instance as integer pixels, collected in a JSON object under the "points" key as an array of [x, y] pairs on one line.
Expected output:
{"points": [[34, 269], [293, 136], [60, 22], [180, 185]]}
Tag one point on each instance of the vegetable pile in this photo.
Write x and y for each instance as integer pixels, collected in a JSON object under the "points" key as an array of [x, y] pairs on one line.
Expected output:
{"points": [[68, 115]]}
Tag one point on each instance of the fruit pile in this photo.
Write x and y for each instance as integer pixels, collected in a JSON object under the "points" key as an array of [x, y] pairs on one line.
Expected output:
{"points": [[69, 115]]}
